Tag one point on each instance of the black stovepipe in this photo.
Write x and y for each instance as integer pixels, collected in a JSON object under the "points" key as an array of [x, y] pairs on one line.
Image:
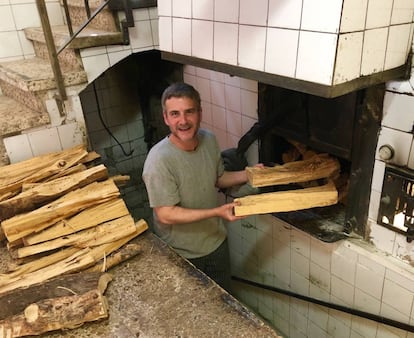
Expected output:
{"points": [[379, 319]]}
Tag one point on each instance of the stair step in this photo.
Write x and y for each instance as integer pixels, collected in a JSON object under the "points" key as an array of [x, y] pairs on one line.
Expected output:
{"points": [[15, 117], [36, 74], [105, 20], [4, 159], [88, 37]]}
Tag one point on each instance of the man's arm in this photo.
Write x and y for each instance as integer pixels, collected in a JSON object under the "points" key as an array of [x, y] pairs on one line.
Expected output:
{"points": [[231, 178], [178, 215]]}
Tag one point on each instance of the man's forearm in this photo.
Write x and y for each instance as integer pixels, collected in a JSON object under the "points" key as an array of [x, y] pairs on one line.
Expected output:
{"points": [[179, 215], [231, 178]]}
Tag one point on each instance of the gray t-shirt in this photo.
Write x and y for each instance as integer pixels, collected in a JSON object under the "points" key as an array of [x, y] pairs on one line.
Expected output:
{"points": [[186, 178]]}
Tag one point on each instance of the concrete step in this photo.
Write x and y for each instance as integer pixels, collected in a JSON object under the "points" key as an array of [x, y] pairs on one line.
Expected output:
{"points": [[28, 81], [4, 159]]}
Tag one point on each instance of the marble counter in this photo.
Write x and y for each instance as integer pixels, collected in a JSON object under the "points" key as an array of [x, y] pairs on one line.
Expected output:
{"points": [[159, 294]]}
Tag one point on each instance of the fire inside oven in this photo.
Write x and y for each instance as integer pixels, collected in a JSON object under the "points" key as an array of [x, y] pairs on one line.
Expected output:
{"points": [[344, 127], [397, 201]]}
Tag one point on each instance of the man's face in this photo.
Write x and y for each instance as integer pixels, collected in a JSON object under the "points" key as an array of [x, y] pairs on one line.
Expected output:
{"points": [[183, 118]]}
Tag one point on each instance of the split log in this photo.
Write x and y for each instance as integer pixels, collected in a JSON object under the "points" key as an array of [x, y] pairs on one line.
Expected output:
{"points": [[68, 171], [101, 234], [319, 166], [62, 303], [87, 218], [37, 168], [80, 260], [66, 206], [283, 201], [46, 192]]}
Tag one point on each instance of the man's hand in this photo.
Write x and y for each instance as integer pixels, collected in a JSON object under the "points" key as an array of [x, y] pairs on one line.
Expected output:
{"points": [[226, 211]]}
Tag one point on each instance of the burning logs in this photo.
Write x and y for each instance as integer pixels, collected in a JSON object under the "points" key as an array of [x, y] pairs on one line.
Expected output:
{"points": [[61, 215]]}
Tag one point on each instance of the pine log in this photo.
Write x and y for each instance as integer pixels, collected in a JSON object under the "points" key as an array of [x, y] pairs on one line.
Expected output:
{"points": [[319, 166], [87, 218], [66, 206], [283, 201], [13, 176], [63, 303], [68, 171], [80, 260], [101, 234], [51, 190]]}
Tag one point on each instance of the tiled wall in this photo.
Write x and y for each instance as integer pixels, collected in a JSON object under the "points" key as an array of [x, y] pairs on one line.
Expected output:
{"points": [[302, 39], [375, 279]]}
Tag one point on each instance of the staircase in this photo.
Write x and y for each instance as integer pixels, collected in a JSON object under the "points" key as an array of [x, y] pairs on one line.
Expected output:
{"points": [[30, 96]]}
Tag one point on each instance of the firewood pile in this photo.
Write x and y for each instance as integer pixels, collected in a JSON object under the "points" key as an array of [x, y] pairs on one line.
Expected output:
{"points": [[60, 215]]}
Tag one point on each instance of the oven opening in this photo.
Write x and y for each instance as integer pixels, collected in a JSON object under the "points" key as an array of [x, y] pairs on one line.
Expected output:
{"points": [[299, 125]]}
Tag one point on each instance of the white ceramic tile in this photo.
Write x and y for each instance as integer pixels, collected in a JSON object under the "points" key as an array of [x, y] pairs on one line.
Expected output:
{"points": [[406, 280], [399, 141], [165, 33], [203, 87], [232, 140], [311, 64], [219, 117], [253, 12], [164, 7], [44, 141], [248, 84], [321, 254], [381, 237], [397, 297], [299, 283], [300, 264], [55, 13], [225, 42], [216, 76], [115, 57], [378, 14], [300, 242], [181, 36], [402, 11], [95, 65], [373, 53], [203, 9], [343, 267], [392, 312], [181, 8], [249, 104], [369, 282], [321, 15], [23, 15], [285, 14], [340, 328], [232, 80], [188, 69], [141, 14], [362, 328], [6, 18], [233, 98], [18, 148], [278, 40], [226, 11], [398, 111], [141, 34], [70, 135], [353, 15], [374, 204], [398, 46], [10, 45], [378, 175], [252, 45], [153, 13], [233, 122], [202, 39], [342, 291], [217, 94], [403, 250], [26, 45], [348, 59]]}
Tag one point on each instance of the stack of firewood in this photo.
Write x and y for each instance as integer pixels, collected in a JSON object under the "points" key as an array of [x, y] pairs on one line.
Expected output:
{"points": [[59, 215]]}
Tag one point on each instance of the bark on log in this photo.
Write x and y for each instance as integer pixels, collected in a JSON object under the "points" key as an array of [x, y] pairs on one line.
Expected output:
{"points": [[319, 166], [283, 201], [49, 191], [66, 206], [63, 303]]}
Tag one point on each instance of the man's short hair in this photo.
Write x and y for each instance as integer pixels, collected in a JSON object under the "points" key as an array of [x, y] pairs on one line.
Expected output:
{"points": [[181, 89]]}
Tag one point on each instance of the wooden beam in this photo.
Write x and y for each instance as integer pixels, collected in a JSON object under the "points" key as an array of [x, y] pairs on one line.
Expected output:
{"points": [[283, 201]]}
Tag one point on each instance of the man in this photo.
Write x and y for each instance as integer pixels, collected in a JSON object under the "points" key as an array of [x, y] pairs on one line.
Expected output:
{"points": [[182, 173]]}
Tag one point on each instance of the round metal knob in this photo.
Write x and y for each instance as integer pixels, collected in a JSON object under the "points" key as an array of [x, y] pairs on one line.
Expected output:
{"points": [[386, 152]]}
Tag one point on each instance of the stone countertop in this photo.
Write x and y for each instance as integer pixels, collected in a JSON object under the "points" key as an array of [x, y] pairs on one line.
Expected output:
{"points": [[159, 294]]}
